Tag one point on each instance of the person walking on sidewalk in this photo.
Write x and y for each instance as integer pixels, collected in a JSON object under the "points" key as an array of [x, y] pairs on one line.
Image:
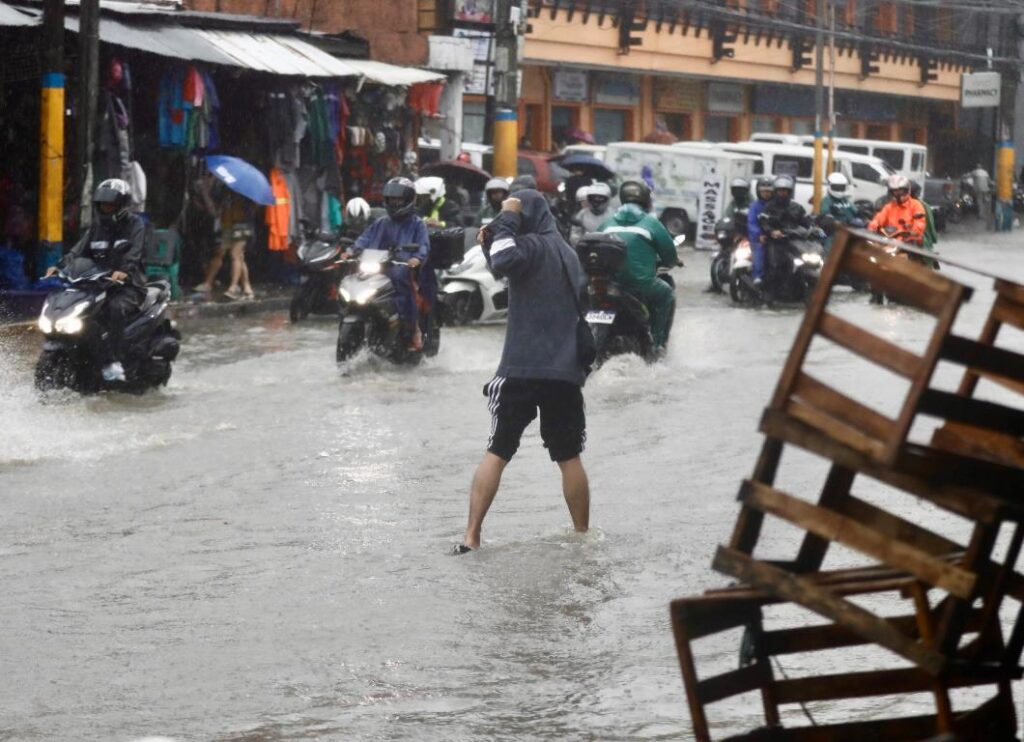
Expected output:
{"points": [[234, 229], [540, 370]]}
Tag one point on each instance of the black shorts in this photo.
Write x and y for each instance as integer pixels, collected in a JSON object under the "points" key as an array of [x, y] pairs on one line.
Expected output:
{"points": [[514, 404]]}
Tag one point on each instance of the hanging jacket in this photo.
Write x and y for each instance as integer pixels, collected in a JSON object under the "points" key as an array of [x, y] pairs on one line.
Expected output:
{"points": [[278, 215], [648, 244]]}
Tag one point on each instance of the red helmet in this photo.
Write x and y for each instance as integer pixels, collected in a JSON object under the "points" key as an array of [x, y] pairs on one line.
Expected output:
{"points": [[463, 157]]}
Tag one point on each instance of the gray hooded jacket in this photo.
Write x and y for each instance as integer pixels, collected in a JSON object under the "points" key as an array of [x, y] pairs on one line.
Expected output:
{"points": [[540, 341]]}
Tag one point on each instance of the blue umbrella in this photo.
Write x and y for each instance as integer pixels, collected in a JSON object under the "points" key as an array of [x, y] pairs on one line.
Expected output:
{"points": [[590, 165], [242, 178]]}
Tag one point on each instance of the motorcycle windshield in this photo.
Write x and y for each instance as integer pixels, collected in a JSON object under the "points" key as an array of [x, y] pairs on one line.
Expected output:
{"points": [[317, 252], [82, 270]]}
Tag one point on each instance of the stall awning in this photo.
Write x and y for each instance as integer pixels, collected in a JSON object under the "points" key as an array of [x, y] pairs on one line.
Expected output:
{"points": [[279, 54], [13, 17]]}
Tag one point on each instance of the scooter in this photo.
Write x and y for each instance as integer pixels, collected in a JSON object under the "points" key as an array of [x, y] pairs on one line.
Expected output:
{"points": [[618, 320], [76, 339], [369, 312], [471, 293], [317, 292], [726, 236], [792, 268]]}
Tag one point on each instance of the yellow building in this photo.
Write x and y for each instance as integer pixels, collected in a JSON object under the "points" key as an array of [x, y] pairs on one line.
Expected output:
{"points": [[733, 69]]}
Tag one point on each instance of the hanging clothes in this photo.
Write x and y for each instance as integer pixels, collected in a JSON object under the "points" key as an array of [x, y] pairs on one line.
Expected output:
{"points": [[171, 109], [211, 104], [279, 215]]}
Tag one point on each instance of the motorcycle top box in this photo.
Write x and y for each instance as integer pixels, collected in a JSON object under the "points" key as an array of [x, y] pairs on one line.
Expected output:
{"points": [[601, 253], [447, 247]]}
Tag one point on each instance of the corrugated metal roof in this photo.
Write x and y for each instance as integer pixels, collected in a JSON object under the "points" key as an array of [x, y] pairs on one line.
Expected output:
{"points": [[13, 17], [279, 54]]}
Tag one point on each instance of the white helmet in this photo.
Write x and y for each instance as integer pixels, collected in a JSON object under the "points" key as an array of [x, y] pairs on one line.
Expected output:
{"points": [[601, 189], [838, 185], [357, 209], [430, 186], [582, 192]]}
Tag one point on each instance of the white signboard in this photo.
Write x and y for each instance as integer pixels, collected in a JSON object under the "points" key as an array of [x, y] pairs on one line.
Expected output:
{"points": [[980, 89], [711, 205], [569, 85]]}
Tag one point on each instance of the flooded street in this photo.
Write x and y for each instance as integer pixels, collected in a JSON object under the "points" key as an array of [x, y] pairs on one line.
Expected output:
{"points": [[259, 551]]}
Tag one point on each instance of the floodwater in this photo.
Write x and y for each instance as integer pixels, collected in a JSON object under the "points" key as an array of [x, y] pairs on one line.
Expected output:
{"points": [[259, 552]]}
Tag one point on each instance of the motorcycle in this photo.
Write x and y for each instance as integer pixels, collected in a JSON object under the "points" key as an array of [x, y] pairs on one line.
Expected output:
{"points": [[1018, 198], [75, 338], [317, 292], [729, 238], [879, 297], [471, 293], [792, 267], [618, 320]]}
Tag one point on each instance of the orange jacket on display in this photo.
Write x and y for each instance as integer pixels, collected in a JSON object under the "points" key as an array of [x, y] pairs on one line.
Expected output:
{"points": [[278, 214]]}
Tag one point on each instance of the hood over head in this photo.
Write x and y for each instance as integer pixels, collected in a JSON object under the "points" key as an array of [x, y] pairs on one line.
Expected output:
{"points": [[629, 214], [536, 216]]}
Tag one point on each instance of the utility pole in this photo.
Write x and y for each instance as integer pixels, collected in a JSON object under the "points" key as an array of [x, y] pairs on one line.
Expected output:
{"points": [[831, 86], [51, 137], [819, 101], [506, 90], [88, 93]]}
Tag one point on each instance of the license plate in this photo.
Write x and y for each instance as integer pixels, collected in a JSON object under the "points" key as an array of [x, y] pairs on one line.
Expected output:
{"points": [[600, 316]]}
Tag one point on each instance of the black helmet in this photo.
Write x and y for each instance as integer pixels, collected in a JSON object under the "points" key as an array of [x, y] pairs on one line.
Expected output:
{"points": [[740, 188], [399, 198], [635, 192], [111, 201]]}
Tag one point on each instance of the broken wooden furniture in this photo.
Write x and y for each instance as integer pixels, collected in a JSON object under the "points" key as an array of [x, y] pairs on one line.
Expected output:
{"points": [[970, 466]]}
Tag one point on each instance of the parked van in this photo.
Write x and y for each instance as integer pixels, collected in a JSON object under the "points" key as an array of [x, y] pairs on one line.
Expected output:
{"points": [[907, 159], [690, 184], [867, 174], [773, 138], [594, 150]]}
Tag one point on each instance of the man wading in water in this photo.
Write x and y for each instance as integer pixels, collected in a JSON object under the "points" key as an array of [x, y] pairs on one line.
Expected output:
{"points": [[539, 369]]}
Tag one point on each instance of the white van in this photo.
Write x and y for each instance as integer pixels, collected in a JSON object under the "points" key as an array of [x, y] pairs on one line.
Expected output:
{"points": [[596, 151], [907, 159], [773, 138], [430, 151], [867, 174], [691, 185]]}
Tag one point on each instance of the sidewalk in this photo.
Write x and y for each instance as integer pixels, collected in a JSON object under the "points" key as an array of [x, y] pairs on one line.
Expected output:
{"points": [[274, 299]]}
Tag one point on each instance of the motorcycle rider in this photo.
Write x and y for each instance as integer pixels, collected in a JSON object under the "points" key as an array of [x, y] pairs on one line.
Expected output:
{"points": [[404, 229], [648, 244], [740, 203], [902, 214], [782, 213], [595, 209], [435, 209], [116, 239], [837, 205], [765, 191], [496, 191]]}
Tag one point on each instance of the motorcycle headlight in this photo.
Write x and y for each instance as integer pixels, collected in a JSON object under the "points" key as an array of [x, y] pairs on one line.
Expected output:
{"points": [[345, 294], [369, 268], [811, 258], [45, 325], [69, 325]]}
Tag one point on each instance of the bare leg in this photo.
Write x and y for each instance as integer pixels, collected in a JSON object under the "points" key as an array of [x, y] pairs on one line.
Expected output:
{"points": [[481, 495], [576, 490], [246, 286], [237, 263], [213, 268]]}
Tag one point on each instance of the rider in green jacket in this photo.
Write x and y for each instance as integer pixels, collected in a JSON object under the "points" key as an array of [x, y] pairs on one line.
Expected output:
{"points": [[648, 245]]}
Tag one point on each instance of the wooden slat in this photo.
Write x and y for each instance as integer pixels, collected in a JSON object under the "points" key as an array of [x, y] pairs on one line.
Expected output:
{"points": [[748, 523], [1012, 293], [897, 528], [814, 393], [1005, 312], [834, 493], [917, 475], [881, 730], [864, 685], [828, 427], [977, 412], [805, 593], [998, 365], [870, 347], [733, 683], [849, 532], [980, 443], [909, 282], [704, 616]]}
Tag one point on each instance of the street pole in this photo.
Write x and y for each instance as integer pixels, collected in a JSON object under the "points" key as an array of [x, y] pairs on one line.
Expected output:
{"points": [[88, 92], [819, 102], [506, 93], [831, 86], [51, 137]]}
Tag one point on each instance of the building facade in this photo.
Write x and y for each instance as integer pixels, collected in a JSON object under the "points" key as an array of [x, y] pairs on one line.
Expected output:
{"points": [[724, 70]]}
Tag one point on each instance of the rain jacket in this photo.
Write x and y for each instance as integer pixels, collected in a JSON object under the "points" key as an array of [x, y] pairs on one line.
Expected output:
{"points": [[648, 244], [487, 214], [386, 233], [841, 208], [446, 212], [99, 243], [753, 221], [543, 271], [910, 216]]}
